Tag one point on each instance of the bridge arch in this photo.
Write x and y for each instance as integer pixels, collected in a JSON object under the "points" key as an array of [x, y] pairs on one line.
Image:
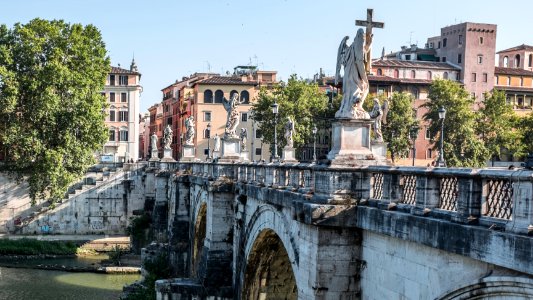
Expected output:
{"points": [[496, 287], [198, 233], [270, 257]]}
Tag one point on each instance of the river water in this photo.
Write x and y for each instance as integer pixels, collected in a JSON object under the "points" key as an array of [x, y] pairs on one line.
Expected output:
{"points": [[33, 284]]}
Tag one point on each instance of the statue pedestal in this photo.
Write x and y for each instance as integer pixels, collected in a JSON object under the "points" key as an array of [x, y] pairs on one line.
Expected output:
{"points": [[167, 156], [155, 155], [230, 149], [351, 144], [245, 155], [380, 149], [288, 155], [216, 154], [188, 153]]}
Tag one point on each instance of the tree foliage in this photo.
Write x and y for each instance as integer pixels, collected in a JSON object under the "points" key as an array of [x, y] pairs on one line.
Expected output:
{"points": [[303, 102], [526, 134], [496, 123], [400, 119], [52, 74], [462, 146]]}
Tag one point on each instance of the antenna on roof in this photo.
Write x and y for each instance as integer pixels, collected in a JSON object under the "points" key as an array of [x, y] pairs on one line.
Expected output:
{"points": [[410, 37]]}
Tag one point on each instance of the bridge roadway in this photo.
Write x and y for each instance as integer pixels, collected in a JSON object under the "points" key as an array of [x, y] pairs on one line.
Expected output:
{"points": [[271, 231]]}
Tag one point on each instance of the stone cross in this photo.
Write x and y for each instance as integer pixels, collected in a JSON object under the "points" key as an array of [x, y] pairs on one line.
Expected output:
{"points": [[369, 23]]}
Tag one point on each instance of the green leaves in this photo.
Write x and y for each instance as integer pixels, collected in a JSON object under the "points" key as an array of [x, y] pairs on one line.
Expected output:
{"points": [[400, 119], [51, 77]]}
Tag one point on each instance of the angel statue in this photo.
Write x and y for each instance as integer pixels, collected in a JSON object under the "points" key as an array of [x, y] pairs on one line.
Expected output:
{"points": [[153, 140], [355, 80], [217, 143], [189, 134], [233, 116], [379, 114], [167, 137], [289, 131], [244, 139]]}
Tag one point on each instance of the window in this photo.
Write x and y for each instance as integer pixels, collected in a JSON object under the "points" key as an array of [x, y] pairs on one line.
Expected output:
{"points": [[111, 79], [438, 47], [111, 97], [444, 42], [459, 58], [123, 80], [258, 134], [413, 74], [473, 77], [485, 77], [245, 97], [521, 81], [207, 133], [430, 75], [481, 40], [396, 73], [428, 134], [219, 95], [445, 75], [429, 153], [530, 63], [480, 59], [380, 72], [169, 121], [473, 95], [123, 97], [517, 61], [208, 96], [122, 116], [112, 135], [112, 115], [431, 45], [460, 41], [444, 59], [408, 57], [206, 151], [207, 116], [123, 135], [505, 61], [508, 80], [244, 117], [415, 92], [258, 151]]}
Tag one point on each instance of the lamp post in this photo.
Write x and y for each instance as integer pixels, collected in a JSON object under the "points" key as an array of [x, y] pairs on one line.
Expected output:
{"points": [[314, 143], [275, 112], [414, 133], [208, 141], [442, 115]]}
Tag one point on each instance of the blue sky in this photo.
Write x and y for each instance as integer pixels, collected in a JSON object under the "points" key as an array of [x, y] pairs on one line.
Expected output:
{"points": [[172, 39]]}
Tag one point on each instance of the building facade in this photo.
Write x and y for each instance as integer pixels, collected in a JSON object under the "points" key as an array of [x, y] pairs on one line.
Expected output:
{"points": [[122, 91]]}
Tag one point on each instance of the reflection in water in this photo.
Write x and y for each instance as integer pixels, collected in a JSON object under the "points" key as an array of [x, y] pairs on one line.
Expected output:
{"points": [[45, 285]]}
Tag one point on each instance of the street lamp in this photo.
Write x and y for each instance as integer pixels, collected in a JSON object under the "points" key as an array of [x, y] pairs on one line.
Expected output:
{"points": [[314, 143], [414, 133], [208, 141], [275, 112], [442, 116]]}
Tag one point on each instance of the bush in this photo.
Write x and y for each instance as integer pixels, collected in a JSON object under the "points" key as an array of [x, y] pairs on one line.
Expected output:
{"points": [[35, 247]]}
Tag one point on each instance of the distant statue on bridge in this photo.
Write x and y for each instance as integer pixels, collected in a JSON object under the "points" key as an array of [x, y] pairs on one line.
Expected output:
{"points": [[153, 140], [355, 80], [167, 137], [289, 132], [379, 114], [233, 116], [244, 139], [189, 134], [217, 143]]}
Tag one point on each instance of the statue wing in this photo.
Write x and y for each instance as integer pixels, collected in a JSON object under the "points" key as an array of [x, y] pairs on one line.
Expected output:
{"points": [[340, 55], [385, 109]]}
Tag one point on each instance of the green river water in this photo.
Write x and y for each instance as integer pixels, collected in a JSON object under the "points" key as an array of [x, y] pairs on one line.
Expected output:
{"points": [[33, 284]]}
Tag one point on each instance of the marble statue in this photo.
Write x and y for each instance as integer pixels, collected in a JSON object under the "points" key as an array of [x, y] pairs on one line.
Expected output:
{"points": [[233, 116], [355, 80], [217, 143], [153, 140], [244, 139], [189, 134], [167, 137], [379, 114], [289, 131]]}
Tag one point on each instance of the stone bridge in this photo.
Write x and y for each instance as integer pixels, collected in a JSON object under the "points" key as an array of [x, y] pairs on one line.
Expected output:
{"points": [[304, 231]]}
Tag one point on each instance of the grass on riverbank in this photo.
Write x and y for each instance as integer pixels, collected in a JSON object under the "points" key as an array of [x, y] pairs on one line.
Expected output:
{"points": [[35, 247]]}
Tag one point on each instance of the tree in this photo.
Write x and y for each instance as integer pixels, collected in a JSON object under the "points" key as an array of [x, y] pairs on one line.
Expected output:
{"points": [[400, 119], [495, 125], [526, 134], [52, 74], [302, 101], [462, 147]]}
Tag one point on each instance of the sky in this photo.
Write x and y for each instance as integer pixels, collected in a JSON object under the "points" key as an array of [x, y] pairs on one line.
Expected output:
{"points": [[172, 39]]}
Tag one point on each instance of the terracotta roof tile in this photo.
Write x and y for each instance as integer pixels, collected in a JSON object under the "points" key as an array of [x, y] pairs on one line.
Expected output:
{"points": [[413, 64], [512, 71], [521, 47], [226, 80], [118, 70]]}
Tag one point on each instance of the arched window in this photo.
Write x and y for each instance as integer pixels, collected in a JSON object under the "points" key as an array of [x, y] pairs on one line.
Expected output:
{"points": [[430, 75], [380, 72], [233, 93], [413, 74], [208, 96], [505, 61], [530, 63], [517, 61], [245, 97], [219, 95], [396, 73], [207, 133], [445, 75]]}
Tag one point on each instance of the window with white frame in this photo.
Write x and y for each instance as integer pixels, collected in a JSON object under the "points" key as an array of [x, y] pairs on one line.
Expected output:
{"points": [[207, 116]]}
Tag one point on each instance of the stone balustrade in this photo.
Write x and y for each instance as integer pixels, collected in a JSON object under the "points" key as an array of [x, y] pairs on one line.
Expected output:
{"points": [[499, 199]]}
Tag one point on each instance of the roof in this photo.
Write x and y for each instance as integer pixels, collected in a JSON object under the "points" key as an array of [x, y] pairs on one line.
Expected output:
{"points": [[118, 70], [414, 64], [512, 71], [517, 48], [392, 80], [226, 80]]}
